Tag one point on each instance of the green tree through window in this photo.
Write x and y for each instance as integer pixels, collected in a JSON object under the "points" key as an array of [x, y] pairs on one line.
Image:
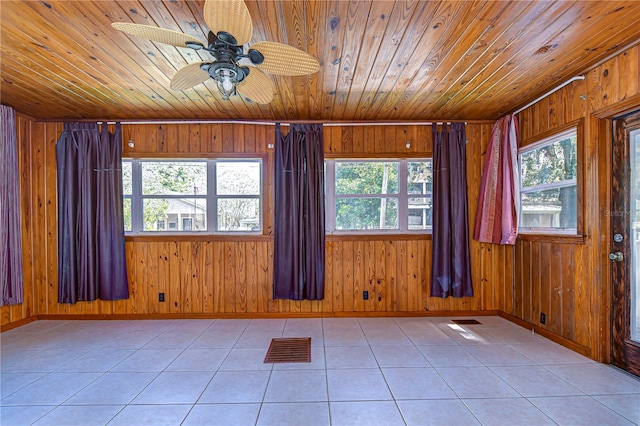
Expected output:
{"points": [[548, 183]]}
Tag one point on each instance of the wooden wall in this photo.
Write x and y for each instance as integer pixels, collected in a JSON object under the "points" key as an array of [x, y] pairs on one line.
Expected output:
{"points": [[567, 278], [212, 275]]}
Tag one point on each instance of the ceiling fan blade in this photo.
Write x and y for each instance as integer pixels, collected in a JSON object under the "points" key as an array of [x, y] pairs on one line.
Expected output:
{"points": [[231, 16], [257, 87], [189, 76], [282, 59], [158, 34]]}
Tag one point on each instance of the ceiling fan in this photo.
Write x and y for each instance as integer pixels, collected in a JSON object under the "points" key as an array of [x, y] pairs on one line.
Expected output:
{"points": [[231, 29]]}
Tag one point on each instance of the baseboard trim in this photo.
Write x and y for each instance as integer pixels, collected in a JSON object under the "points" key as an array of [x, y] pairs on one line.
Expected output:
{"points": [[259, 315], [576, 347], [16, 324]]}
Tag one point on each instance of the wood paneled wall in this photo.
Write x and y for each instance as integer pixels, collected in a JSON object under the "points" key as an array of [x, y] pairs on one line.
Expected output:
{"points": [[568, 278], [212, 275]]}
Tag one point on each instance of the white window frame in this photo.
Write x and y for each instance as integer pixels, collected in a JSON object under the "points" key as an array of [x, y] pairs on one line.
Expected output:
{"points": [[211, 198], [402, 197], [557, 137]]}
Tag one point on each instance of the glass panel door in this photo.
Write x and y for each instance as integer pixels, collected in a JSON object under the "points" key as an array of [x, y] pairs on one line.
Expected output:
{"points": [[625, 245], [634, 261]]}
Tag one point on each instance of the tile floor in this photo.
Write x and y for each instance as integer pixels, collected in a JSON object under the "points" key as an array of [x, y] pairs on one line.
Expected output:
{"points": [[364, 371]]}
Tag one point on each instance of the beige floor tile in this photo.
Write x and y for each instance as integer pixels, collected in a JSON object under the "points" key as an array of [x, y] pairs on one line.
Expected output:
{"points": [[350, 357], [175, 387], [417, 383], [357, 385], [578, 410], [112, 388], [151, 415], [436, 412], [199, 360], [294, 414], [419, 371], [51, 389], [449, 356], [512, 411], [236, 387], [476, 382], [370, 413], [297, 386], [222, 415], [89, 415], [399, 356], [532, 381]]}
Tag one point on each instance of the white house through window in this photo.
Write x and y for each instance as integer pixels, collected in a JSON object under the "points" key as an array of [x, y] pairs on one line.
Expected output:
{"points": [[214, 195]]}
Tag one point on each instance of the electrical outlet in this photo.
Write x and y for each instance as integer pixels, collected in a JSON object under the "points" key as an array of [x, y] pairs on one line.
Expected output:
{"points": [[160, 297], [543, 318], [365, 295]]}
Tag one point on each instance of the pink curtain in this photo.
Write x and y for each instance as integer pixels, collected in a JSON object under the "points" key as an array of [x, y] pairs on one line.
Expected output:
{"points": [[499, 200], [10, 228]]}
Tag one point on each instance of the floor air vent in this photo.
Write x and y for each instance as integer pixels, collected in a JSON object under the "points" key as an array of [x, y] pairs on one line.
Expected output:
{"points": [[466, 321], [296, 349]]}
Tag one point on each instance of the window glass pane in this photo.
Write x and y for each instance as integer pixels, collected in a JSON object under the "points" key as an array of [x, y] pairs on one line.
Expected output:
{"points": [[238, 214], [126, 178], [419, 181], [126, 206], [174, 214], [419, 213], [174, 178], [553, 208], [366, 177], [554, 162], [238, 178], [366, 213], [419, 177]]}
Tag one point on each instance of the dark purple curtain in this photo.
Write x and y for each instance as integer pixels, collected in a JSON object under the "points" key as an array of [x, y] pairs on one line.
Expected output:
{"points": [[299, 243], [91, 253], [11, 281], [451, 268]]}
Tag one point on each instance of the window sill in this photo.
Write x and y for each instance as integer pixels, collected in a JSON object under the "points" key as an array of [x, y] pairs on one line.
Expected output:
{"points": [[553, 238], [170, 237], [378, 237]]}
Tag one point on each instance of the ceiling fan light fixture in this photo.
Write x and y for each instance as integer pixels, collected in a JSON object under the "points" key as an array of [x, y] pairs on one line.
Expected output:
{"points": [[226, 81], [227, 76]]}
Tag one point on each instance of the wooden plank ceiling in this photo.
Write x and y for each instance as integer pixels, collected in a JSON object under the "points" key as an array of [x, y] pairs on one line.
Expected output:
{"points": [[380, 60]]}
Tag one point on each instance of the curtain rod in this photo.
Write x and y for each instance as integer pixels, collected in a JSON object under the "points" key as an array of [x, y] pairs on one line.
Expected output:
{"points": [[273, 122], [571, 80], [288, 123]]}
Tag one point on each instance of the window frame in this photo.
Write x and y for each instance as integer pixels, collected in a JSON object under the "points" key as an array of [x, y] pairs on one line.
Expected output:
{"points": [[544, 139], [211, 197], [402, 196]]}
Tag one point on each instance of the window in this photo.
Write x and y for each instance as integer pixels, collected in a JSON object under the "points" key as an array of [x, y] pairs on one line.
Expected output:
{"points": [[548, 184], [127, 191], [221, 195], [378, 195]]}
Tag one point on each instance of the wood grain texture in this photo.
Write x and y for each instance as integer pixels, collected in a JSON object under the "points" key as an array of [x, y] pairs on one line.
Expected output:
{"points": [[569, 279], [380, 60], [564, 277], [231, 275]]}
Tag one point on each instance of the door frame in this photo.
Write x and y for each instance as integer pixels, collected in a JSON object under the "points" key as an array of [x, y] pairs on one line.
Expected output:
{"points": [[600, 127]]}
